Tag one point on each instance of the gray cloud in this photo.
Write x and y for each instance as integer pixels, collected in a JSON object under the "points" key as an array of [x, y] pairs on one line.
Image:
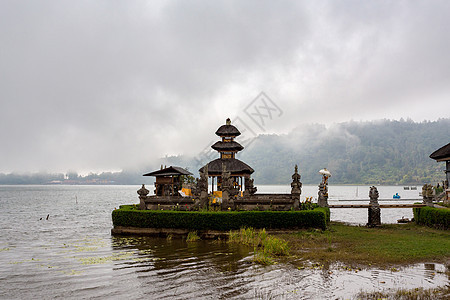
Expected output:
{"points": [[108, 85]]}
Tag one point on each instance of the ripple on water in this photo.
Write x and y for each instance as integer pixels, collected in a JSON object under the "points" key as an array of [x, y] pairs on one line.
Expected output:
{"points": [[72, 255]]}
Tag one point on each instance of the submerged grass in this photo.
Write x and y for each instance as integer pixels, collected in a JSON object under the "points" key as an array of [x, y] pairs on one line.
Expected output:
{"points": [[266, 247], [192, 236], [413, 294], [386, 245]]}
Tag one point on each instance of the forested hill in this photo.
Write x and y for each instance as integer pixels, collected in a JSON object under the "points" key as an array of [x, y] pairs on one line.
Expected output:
{"points": [[378, 152]]}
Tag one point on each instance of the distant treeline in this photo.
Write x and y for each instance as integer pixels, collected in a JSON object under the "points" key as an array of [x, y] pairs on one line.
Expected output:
{"points": [[72, 178], [377, 152]]}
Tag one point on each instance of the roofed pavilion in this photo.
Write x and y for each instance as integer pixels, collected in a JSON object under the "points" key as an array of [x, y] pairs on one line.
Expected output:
{"points": [[443, 154], [168, 181], [227, 148]]}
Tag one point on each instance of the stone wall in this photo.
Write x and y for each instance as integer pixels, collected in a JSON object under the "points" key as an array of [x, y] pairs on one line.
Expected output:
{"points": [[278, 202]]}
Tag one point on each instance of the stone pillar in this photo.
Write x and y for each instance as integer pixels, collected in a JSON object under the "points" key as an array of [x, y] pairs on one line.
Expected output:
{"points": [[374, 211], [428, 194], [323, 188], [226, 188], [323, 195], [142, 192], [296, 190], [203, 188]]}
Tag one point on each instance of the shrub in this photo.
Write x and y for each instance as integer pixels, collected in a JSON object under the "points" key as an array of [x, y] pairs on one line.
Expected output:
{"points": [[129, 216], [432, 217]]}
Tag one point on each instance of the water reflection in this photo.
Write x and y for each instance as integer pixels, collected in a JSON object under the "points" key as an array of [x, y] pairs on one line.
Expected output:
{"points": [[176, 269], [73, 256]]}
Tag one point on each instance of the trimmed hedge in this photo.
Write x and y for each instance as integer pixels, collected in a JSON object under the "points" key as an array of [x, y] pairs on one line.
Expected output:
{"points": [[432, 217], [130, 216]]}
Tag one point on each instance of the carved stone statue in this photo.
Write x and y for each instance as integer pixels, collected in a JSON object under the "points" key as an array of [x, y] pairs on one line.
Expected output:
{"points": [[323, 195], [296, 188], [202, 188], [373, 195], [142, 192], [374, 211], [296, 185], [250, 189], [428, 194], [227, 187]]}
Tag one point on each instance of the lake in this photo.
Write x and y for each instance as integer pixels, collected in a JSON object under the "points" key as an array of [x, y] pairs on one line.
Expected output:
{"points": [[73, 255]]}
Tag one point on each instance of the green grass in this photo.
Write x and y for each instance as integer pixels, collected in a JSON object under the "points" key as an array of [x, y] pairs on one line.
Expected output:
{"points": [[192, 236], [413, 294], [266, 247], [390, 244]]}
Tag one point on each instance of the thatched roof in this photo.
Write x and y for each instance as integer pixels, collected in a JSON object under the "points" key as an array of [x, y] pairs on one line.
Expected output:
{"points": [[227, 146], [170, 171], [228, 130], [442, 153], [233, 165]]}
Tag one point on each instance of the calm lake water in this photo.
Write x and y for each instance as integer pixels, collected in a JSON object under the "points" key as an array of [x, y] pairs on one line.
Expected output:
{"points": [[73, 255]]}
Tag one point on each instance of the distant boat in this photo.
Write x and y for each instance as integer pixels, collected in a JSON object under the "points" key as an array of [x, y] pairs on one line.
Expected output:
{"points": [[414, 187], [396, 196], [406, 187]]}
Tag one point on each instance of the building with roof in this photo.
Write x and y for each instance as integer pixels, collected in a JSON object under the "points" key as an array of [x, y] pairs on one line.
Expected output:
{"points": [[231, 184], [227, 162], [167, 181], [443, 154]]}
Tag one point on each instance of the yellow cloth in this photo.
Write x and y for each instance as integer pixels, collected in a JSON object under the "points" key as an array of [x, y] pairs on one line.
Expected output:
{"points": [[187, 192]]}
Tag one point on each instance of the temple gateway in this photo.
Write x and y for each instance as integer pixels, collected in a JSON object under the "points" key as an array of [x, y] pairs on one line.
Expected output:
{"points": [[232, 187]]}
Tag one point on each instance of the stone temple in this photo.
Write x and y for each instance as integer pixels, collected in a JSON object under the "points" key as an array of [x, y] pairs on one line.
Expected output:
{"points": [[228, 147], [232, 187]]}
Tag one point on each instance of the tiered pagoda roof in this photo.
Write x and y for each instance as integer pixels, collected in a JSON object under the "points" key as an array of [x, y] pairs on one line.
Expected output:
{"points": [[227, 148]]}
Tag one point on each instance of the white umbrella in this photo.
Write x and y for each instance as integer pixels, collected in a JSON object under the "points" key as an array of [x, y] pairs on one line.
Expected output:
{"points": [[325, 172]]}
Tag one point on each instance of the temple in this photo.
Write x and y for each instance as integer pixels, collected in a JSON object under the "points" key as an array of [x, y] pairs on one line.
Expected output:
{"points": [[168, 181], [227, 161], [232, 187]]}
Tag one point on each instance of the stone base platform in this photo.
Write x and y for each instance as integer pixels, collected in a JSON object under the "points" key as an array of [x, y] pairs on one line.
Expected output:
{"points": [[164, 232]]}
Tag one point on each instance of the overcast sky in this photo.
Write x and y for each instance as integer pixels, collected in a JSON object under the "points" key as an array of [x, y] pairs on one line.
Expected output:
{"points": [[107, 85]]}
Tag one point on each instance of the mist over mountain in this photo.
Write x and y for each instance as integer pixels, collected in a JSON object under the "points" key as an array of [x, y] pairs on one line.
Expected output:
{"points": [[377, 152], [372, 152]]}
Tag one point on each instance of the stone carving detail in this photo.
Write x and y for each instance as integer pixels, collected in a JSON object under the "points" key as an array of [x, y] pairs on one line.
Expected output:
{"points": [[428, 194], [250, 189], [202, 188], [374, 211], [323, 188], [296, 185], [143, 191], [296, 188], [373, 195], [323, 195]]}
